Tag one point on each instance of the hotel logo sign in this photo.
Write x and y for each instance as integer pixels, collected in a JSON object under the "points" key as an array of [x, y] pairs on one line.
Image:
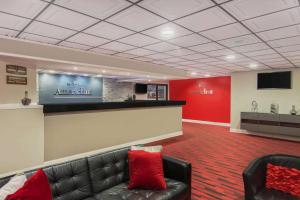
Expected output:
{"points": [[202, 90], [79, 90]]}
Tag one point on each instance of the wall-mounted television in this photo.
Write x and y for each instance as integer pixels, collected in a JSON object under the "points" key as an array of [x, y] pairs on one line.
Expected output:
{"points": [[274, 80], [140, 88]]}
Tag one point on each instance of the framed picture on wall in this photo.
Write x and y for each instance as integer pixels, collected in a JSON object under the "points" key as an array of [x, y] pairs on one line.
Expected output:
{"points": [[16, 80], [17, 70]]}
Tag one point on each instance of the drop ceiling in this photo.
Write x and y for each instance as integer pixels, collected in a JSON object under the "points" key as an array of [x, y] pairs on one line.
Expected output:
{"points": [[213, 37]]}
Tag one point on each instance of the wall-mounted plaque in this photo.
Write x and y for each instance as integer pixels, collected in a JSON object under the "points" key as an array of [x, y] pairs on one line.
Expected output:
{"points": [[16, 80], [14, 69]]}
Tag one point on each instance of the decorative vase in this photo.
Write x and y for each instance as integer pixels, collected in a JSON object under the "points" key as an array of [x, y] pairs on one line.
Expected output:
{"points": [[26, 101], [293, 111]]}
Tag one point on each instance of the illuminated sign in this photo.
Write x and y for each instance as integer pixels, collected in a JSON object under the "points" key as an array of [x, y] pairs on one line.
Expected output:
{"points": [[61, 88]]}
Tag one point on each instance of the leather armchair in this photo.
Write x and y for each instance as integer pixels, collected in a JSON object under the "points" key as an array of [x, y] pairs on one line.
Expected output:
{"points": [[254, 177]]}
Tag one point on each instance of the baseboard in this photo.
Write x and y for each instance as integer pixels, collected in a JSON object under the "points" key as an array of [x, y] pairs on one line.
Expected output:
{"points": [[281, 137], [206, 122], [90, 153]]}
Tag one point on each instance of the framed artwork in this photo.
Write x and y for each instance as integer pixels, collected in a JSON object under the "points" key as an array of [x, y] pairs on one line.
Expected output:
{"points": [[16, 80], [17, 70]]}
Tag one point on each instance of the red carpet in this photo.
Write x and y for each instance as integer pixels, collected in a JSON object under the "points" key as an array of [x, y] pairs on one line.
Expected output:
{"points": [[219, 157]]}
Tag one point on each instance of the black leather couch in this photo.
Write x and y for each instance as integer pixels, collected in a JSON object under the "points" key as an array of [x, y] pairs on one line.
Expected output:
{"points": [[255, 177], [105, 176]]}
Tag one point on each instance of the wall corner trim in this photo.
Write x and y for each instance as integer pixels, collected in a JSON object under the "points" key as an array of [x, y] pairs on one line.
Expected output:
{"points": [[206, 122]]}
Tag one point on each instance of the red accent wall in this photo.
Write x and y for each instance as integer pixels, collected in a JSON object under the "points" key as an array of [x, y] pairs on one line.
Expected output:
{"points": [[207, 99]]}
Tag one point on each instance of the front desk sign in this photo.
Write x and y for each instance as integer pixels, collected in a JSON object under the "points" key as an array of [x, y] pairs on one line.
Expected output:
{"points": [[61, 88]]}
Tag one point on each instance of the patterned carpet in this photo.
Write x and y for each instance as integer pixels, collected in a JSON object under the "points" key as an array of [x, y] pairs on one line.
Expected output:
{"points": [[219, 157]]}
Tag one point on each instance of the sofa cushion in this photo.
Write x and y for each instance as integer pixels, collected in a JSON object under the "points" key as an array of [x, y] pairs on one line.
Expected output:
{"points": [[175, 190], [69, 180], [108, 169], [271, 194]]}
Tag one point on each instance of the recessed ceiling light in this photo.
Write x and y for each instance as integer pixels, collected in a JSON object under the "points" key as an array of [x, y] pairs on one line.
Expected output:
{"points": [[207, 75], [75, 68], [51, 71], [149, 80], [148, 76], [230, 57], [168, 32], [104, 71], [193, 73], [253, 66]]}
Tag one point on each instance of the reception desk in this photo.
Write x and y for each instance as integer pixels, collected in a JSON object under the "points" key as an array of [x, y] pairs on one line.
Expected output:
{"points": [[78, 128]]}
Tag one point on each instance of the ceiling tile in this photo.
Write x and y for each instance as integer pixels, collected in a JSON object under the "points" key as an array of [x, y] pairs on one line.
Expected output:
{"points": [[140, 52], [251, 47], [12, 22], [285, 42], [136, 19], [221, 1], [86, 39], [103, 51], [74, 45], [96, 8], [180, 52], [159, 56], [157, 32], [194, 56], [207, 60], [173, 9], [280, 33], [108, 31], [261, 52], [207, 19], [37, 38], [125, 55], [245, 9], [25, 8], [138, 40], [174, 60], [224, 32], [239, 41], [161, 47], [8, 32], [288, 48], [221, 52], [268, 57], [206, 47], [65, 18], [189, 40], [49, 30], [143, 59], [275, 20], [187, 63], [117, 46]]}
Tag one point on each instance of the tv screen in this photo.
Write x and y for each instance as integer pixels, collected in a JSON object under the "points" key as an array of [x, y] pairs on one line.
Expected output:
{"points": [[275, 80], [140, 88]]}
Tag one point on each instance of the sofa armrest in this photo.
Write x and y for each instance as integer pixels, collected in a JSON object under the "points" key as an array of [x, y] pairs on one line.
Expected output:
{"points": [[254, 177], [178, 170]]}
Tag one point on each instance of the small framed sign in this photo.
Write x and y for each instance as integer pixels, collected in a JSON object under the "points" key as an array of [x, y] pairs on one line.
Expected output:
{"points": [[17, 70], [16, 80]]}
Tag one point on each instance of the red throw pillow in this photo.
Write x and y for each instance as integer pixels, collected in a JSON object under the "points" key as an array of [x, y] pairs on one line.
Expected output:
{"points": [[283, 179], [35, 188], [146, 170]]}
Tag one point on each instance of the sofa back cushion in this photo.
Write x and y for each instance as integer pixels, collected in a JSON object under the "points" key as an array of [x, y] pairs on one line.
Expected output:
{"points": [[69, 181], [108, 169]]}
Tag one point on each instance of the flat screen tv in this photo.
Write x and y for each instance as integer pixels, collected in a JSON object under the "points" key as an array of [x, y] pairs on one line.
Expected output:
{"points": [[275, 80], [140, 88]]}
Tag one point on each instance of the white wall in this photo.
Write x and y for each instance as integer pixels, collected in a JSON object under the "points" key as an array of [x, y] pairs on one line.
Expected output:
{"points": [[244, 91]]}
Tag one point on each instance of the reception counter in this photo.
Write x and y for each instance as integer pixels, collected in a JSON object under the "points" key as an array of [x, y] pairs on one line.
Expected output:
{"points": [[72, 129]]}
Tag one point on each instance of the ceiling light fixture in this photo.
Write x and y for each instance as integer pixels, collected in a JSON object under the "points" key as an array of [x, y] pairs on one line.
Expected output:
{"points": [[75, 68], [207, 75], [51, 71], [167, 32], [253, 66], [230, 57], [104, 71], [193, 73]]}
